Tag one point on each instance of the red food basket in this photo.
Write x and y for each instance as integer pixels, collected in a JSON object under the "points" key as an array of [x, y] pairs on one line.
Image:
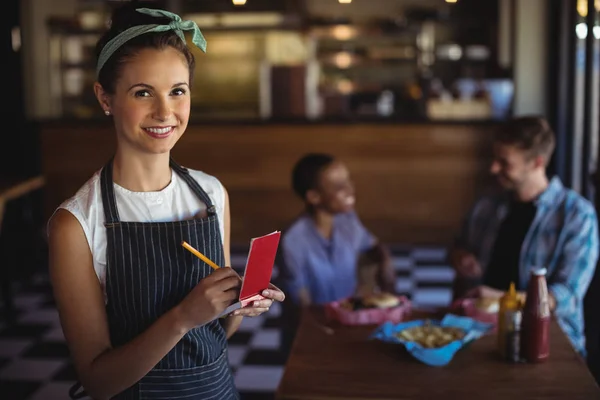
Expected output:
{"points": [[468, 308], [368, 316]]}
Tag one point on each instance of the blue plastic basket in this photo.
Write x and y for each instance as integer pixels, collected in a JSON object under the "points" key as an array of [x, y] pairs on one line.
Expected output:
{"points": [[439, 356]]}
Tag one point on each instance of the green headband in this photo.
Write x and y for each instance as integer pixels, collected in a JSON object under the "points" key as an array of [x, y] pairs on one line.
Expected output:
{"points": [[176, 25]]}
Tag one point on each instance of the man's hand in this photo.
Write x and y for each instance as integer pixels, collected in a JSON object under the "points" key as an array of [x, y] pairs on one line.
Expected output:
{"points": [[465, 264]]}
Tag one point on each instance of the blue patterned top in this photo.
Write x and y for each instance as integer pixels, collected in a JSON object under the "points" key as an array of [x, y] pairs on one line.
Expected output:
{"points": [[563, 238]]}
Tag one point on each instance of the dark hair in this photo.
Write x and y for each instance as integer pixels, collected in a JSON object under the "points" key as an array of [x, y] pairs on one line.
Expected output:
{"points": [[530, 133], [305, 175], [124, 18]]}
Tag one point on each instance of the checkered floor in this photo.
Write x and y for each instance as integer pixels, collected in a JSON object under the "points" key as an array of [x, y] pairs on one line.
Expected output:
{"points": [[34, 359]]}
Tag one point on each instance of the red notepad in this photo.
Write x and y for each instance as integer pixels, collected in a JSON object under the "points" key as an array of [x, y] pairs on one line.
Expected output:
{"points": [[259, 268]]}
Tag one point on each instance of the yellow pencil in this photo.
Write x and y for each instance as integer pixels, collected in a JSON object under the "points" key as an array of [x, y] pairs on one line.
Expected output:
{"points": [[200, 255]]}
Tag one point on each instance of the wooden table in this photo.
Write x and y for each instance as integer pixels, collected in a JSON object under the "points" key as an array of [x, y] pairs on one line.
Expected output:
{"points": [[337, 362]]}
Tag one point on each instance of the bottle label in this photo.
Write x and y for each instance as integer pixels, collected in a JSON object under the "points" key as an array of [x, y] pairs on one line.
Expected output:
{"points": [[535, 340], [513, 347]]}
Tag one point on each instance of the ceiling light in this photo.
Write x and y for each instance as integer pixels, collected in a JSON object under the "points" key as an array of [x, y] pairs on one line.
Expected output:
{"points": [[582, 7], [343, 32], [239, 2], [343, 59]]}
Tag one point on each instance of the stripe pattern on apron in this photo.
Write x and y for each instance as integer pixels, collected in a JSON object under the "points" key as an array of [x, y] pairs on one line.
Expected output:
{"points": [[148, 273]]}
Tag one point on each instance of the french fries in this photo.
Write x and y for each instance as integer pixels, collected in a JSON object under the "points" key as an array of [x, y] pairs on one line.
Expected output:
{"points": [[431, 336]]}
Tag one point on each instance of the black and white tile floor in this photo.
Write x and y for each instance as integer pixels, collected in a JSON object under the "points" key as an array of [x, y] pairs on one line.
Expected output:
{"points": [[34, 359]]}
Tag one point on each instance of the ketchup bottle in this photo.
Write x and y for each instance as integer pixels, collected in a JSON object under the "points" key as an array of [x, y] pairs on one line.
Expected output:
{"points": [[535, 333]]}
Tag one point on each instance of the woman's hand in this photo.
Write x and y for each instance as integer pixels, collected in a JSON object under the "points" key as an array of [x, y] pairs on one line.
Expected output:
{"points": [[273, 293], [211, 296]]}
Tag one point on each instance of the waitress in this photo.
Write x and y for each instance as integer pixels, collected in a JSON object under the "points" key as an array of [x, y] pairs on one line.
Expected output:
{"points": [[138, 311]]}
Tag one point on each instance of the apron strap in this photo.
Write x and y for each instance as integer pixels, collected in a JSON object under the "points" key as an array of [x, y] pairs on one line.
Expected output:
{"points": [[111, 214], [196, 188]]}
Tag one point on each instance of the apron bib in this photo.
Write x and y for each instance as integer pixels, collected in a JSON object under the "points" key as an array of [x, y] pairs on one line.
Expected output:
{"points": [[149, 273]]}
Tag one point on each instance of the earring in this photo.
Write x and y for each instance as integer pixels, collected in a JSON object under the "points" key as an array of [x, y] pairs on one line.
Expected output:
{"points": [[106, 112]]}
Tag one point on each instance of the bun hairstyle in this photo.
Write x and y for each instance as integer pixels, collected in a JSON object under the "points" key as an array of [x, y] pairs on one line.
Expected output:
{"points": [[124, 18]]}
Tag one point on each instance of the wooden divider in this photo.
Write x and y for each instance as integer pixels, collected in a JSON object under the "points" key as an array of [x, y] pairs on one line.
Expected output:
{"points": [[414, 182]]}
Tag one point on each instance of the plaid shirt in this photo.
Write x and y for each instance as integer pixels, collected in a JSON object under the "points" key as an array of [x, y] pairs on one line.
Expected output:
{"points": [[563, 238]]}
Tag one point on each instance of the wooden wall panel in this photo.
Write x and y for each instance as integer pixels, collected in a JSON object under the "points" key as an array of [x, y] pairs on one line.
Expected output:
{"points": [[414, 182]]}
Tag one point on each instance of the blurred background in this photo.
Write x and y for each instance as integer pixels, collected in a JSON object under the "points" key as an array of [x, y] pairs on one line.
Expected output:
{"points": [[406, 92]]}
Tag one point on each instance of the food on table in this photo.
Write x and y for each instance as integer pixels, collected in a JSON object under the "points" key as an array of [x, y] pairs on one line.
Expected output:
{"points": [[487, 305], [431, 336], [378, 300], [381, 300]]}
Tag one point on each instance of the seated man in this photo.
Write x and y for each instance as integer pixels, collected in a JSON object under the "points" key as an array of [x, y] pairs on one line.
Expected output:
{"points": [[531, 222], [321, 249]]}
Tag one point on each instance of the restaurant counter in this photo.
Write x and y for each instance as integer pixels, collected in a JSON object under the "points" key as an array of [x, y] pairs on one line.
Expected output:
{"points": [[414, 181]]}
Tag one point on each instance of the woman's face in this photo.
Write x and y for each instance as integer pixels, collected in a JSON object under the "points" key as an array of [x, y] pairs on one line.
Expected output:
{"points": [[335, 189], [151, 103]]}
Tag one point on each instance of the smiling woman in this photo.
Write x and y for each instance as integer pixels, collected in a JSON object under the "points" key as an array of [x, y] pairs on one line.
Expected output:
{"points": [[152, 108], [140, 313]]}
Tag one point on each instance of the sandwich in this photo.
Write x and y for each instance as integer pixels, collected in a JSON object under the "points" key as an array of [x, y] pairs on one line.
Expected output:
{"points": [[374, 300], [487, 305], [381, 300]]}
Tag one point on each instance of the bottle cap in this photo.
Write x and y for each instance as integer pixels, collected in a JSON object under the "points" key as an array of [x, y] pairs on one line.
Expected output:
{"points": [[511, 290], [509, 299], [539, 271]]}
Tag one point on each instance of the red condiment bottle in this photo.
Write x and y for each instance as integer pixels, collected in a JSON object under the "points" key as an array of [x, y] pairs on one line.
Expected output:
{"points": [[535, 332]]}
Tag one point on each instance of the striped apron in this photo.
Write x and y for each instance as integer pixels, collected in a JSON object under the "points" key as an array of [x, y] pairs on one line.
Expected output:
{"points": [[148, 273]]}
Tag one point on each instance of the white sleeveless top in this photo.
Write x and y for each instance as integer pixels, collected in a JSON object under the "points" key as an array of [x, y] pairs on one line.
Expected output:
{"points": [[175, 202]]}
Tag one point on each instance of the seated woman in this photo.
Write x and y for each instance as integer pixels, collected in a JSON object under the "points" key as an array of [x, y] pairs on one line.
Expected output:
{"points": [[320, 251]]}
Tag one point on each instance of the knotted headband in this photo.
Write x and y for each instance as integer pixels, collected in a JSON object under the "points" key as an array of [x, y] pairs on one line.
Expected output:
{"points": [[177, 25]]}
